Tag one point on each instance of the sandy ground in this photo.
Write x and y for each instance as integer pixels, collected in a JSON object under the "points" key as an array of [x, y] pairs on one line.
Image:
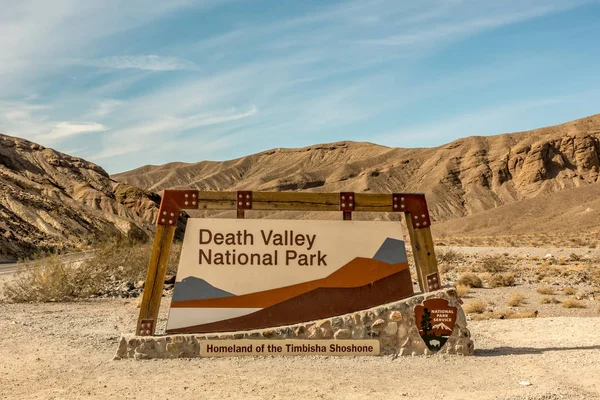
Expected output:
{"points": [[65, 351]]}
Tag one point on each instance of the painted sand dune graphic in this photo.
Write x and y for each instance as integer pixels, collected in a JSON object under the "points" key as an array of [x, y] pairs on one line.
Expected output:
{"points": [[362, 283], [319, 303]]}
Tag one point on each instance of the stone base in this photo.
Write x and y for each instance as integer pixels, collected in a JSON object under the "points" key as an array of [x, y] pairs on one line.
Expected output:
{"points": [[392, 324]]}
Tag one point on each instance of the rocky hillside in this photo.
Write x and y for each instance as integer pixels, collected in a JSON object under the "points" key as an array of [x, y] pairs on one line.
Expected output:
{"points": [[50, 200], [463, 178]]}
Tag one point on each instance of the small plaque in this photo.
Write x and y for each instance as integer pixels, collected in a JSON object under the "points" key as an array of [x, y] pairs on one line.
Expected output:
{"points": [[248, 347], [435, 320]]}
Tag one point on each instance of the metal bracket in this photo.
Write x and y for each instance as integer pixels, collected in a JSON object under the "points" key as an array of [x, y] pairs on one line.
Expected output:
{"points": [[146, 327], [174, 201], [415, 204], [347, 201], [433, 281], [244, 200]]}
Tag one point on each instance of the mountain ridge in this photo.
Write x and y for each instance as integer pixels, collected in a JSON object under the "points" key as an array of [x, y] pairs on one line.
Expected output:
{"points": [[50, 201], [462, 178]]}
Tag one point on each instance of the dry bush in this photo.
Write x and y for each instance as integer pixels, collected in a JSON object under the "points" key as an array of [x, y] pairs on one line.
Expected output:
{"points": [[524, 314], [475, 307], [569, 291], [470, 279], [462, 290], [46, 280], [546, 290], [494, 264], [516, 300], [572, 303], [107, 267], [450, 256], [549, 300], [502, 280]]}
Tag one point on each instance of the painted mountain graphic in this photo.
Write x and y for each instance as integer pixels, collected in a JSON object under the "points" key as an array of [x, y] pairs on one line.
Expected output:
{"points": [[360, 284], [392, 251], [192, 288], [441, 326]]}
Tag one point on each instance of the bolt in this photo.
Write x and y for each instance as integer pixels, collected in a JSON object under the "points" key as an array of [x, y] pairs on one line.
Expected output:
{"points": [[240, 203], [164, 213], [343, 205], [247, 196], [186, 203], [193, 202], [162, 220], [248, 204], [187, 195], [395, 205], [170, 222], [350, 205], [350, 197]]}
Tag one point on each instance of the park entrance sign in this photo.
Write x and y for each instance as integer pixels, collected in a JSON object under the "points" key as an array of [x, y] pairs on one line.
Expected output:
{"points": [[240, 275], [249, 274]]}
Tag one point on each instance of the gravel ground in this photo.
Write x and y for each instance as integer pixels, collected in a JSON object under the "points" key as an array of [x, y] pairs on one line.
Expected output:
{"points": [[65, 351]]}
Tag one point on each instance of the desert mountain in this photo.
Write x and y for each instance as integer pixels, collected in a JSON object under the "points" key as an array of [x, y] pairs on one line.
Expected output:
{"points": [[50, 200], [467, 177]]}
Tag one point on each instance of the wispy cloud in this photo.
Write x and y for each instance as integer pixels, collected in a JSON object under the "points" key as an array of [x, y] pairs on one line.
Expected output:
{"points": [[320, 71], [143, 62]]}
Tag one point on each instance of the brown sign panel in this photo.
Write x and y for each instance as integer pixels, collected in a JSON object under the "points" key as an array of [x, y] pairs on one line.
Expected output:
{"points": [[252, 274], [435, 320]]}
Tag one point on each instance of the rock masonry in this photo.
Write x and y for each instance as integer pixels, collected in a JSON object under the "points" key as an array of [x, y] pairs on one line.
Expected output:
{"points": [[392, 324]]}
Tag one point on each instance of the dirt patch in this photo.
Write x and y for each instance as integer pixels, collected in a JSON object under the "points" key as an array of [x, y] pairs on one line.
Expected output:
{"points": [[59, 351]]}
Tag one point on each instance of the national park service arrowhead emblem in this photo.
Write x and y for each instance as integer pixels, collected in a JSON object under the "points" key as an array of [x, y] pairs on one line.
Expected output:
{"points": [[435, 320]]}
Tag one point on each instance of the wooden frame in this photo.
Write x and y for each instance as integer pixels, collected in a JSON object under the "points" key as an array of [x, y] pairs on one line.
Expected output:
{"points": [[413, 205]]}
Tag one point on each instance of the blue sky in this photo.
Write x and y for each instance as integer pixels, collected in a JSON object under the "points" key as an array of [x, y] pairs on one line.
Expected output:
{"points": [[129, 83]]}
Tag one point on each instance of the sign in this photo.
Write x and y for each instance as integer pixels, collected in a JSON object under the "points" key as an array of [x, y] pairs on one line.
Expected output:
{"points": [[435, 320], [231, 348], [249, 274]]}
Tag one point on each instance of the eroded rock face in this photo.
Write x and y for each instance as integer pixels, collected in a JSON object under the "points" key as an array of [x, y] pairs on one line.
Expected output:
{"points": [[462, 178], [50, 200]]}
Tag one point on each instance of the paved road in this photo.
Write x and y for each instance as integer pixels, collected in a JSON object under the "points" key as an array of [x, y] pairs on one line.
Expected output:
{"points": [[9, 268]]}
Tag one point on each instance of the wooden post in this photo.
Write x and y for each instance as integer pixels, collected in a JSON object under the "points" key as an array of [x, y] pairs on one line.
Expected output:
{"points": [[155, 280], [424, 256]]}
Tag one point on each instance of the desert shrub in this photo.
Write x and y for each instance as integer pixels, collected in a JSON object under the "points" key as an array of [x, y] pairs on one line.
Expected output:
{"points": [[546, 290], [450, 256], [470, 279], [475, 307], [516, 300], [569, 291], [494, 264], [462, 290], [572, 303], [524, 314], [106, 267], [502, 280], [549, 300], [48, 279]]}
